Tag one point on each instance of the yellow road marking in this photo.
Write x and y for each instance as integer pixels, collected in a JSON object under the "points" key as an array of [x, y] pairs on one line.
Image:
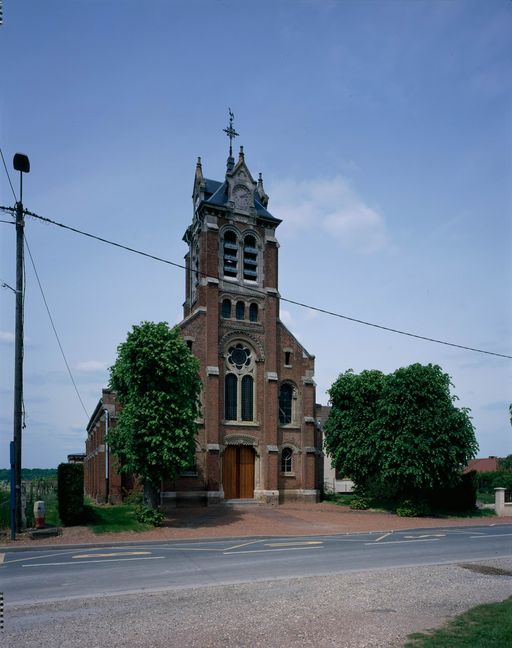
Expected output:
{"points": [[293, 544], [110, 555]]}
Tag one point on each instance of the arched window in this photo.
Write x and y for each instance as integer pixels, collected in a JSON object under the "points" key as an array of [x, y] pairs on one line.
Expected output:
{"points": [[285, 404], [230, 254], [253, 312], [247, 398], [240, 310], [286, 460], [250, 258], [230, 397], [239, 383], [226, 308]]}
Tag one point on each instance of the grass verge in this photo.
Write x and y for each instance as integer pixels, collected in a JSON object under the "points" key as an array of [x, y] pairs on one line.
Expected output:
{"points": [[51, 517], [389, 506], [485, 498], [112, 519], [485, 626]]}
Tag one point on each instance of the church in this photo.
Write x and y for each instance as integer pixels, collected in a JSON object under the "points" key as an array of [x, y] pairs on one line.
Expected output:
{"points": [[257, 435]]}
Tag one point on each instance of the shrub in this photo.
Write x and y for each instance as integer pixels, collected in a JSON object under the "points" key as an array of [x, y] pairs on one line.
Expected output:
{"points": [[148, 515], [413, 508], [359, 503], [133, 496], [70, 493]]}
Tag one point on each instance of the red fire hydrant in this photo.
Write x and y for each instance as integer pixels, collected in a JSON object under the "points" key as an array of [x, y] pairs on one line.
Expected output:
{"points": [[39, 511]]}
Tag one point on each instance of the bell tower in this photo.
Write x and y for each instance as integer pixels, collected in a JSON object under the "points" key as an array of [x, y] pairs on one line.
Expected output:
{"points": [[257, 437]]}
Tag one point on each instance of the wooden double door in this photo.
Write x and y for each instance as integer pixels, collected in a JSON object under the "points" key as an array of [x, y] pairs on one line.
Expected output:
{"points": [[238, 472]]}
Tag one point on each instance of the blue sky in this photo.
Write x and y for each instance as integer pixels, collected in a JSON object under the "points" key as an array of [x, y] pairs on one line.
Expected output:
{"points": [[383, 131]]}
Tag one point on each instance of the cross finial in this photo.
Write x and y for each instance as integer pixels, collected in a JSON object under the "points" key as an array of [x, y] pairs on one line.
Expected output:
{"points": [[230, 132]]}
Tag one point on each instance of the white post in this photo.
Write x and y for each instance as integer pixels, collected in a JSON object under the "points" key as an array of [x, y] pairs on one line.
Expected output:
{"points": [[499, 501]]}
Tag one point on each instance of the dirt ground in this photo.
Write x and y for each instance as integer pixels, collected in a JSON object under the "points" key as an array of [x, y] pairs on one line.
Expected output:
{"points": [[256, 520]]}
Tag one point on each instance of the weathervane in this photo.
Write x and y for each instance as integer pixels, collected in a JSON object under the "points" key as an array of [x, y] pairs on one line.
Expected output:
{"points": [[230, 132]]}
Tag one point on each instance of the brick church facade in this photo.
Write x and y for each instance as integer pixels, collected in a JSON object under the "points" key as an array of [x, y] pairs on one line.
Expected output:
{"points": [[257, 436]]}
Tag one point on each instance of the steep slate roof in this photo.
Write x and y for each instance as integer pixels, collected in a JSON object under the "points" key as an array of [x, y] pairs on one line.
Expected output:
{"points": [[216, 193]]}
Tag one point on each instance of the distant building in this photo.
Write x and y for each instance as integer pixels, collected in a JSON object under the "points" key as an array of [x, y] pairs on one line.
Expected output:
{"points": [[333, 481], [257, 436], [486, 464], [101, 484], [78, 457]]}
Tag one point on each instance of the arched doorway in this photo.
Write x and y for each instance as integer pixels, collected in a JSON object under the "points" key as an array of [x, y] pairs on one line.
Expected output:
{"points": [[238, 472]]}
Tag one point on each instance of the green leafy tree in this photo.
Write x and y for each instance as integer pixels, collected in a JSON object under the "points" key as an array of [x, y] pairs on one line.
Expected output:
{"points": [[400, 434], [505, 463], [157, 382]]}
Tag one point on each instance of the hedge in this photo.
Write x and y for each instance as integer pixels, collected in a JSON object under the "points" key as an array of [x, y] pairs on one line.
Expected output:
{"points": [[70, 493], [488, 481]]}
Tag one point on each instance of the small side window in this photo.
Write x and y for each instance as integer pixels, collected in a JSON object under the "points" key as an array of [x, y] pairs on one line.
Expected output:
{"points": [[240, 310], [253, 312], [226, 309], [286, 460], [285, 404], [287, 358]]}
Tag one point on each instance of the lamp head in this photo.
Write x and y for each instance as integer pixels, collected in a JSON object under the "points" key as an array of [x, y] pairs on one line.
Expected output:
{"points": [[21, 162]]}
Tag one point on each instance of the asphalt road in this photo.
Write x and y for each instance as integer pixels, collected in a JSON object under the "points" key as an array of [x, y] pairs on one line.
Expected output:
{"points": [[51, 575]]}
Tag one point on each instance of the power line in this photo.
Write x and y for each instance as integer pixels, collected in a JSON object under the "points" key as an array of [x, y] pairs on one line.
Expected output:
{"points": [[8, 176], [262, 292], [55, 330]]}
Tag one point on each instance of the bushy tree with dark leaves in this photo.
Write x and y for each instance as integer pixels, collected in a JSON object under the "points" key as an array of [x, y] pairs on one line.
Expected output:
{"points": [[157, 383], [399, 434]]}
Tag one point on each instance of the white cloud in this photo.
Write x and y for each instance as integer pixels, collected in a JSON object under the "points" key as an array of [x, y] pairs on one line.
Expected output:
{"points": [[331, 205], [6, 337], [91, 366], [285, 317]]}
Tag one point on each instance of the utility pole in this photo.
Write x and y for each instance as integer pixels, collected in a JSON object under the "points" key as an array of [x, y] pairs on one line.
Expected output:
{"points": [[21, 163], [105, 440]]}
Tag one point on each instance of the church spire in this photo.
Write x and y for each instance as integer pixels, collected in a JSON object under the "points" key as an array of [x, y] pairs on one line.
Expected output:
{"points": [[231, 133]]}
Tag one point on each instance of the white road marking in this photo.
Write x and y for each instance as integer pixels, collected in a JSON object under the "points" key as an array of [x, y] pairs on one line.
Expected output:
{"points": [[293, 544], [58, 553], [383, 536], [228, 553], [390, 542], [52, 564], [2, 556], [244, 544], [110, 555], [491, 535], [426, 535], [191, 549]]}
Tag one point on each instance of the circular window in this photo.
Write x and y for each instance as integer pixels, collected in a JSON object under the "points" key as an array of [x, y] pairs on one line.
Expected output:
{"points": [[239, 356]]}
